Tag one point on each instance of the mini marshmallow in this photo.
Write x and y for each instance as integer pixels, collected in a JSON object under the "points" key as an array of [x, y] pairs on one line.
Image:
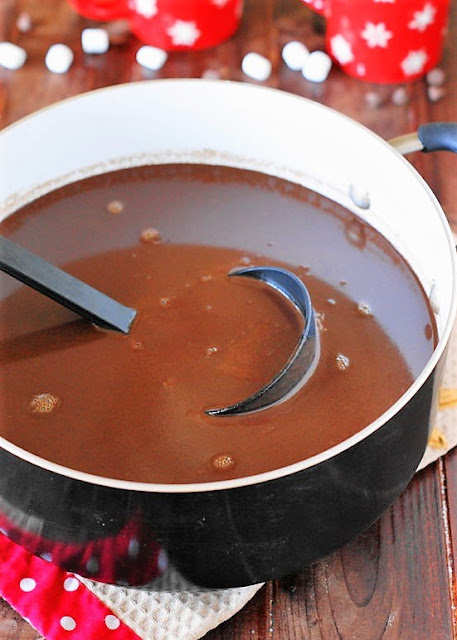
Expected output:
{"points": [[151, 57], [256, 66], [400, 96], [294, 54], [373, 99], [95, 41], [435, 93], [211, 74], [24, 22], [12, 57], [59, 58], [435, 77], [317, 66]]}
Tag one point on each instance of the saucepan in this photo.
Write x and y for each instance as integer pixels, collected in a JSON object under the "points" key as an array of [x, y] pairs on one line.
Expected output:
{"points": [[241, 531]]}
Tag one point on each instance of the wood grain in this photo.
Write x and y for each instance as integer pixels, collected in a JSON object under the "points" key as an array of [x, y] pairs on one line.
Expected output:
{"points": [[396, 581]]}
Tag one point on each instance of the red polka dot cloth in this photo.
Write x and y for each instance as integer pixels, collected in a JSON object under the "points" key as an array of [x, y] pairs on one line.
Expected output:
{"points": [[53, 601], [63, 606]]}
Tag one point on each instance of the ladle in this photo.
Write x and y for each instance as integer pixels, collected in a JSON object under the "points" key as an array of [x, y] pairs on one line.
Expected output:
{"points": [[107, 313], [64, 288], [302, 363]]}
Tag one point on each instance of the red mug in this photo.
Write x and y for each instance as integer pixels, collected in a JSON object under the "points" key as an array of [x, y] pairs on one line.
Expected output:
{"points": [[388, 41], [184, 24], [101, 9], [170, 24]]}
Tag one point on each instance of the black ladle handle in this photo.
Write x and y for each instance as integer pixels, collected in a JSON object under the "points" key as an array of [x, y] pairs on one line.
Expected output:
{"points": [[434, 136], [60, 286]]}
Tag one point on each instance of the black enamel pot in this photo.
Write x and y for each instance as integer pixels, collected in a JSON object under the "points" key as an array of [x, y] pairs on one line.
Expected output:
{"points": [[244, 531]]}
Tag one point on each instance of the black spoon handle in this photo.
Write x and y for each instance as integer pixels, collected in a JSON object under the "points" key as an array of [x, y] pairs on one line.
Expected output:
{"points": [[64, 288]]}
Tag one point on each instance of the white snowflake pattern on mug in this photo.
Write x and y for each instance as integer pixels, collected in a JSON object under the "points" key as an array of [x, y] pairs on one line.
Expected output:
{"points": [[341, 49], [414, 62], [361, 69], [183, 33], [423, 19], [146, 8], [376, 35]]}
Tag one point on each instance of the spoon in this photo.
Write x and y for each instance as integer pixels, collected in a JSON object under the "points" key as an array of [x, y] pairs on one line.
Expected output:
{"points": [[60, 286], [303, 361]]}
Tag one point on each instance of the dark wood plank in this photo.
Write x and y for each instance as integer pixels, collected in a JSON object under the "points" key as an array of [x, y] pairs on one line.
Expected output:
{"points": [[13, 627], [450, 506], [391, 582]]}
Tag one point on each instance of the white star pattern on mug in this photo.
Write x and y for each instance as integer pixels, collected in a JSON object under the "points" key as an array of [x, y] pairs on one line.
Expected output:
{"points": [[183, 33], [423, 19], [414, 62], [376, 35], [146, 8], [341, 49]]}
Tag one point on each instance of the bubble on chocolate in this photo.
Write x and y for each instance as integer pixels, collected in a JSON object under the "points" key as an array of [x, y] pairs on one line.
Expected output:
{"points": [[342, 362], [331, 301], [211, 351], [320, 318], [44, 403], [355, 233], [364, 309], [165, 301], [206, 278], [222, 462], [245, 260], [151, 236], [115, 207], [136, 344]]}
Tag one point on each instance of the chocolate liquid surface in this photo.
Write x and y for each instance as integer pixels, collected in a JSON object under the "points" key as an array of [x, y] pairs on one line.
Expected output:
{"points": [[133, 407]]}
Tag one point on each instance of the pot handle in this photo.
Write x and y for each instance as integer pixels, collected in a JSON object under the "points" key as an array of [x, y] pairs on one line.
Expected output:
{"points": [[436, 136]]}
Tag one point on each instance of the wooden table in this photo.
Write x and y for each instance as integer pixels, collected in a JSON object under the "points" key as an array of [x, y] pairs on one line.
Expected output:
{"points": [[397, 580]]}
